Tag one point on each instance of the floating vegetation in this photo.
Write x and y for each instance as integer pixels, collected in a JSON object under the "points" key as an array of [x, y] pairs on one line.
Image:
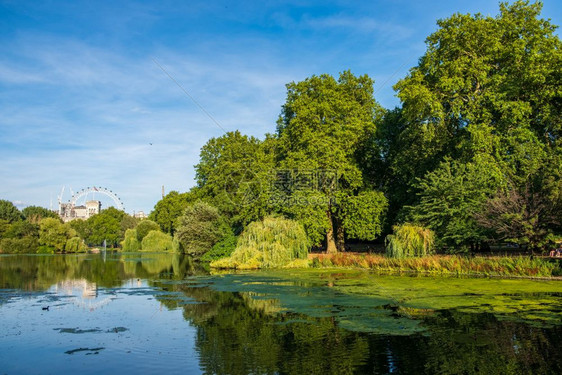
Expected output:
{"points": [[368, 302]]}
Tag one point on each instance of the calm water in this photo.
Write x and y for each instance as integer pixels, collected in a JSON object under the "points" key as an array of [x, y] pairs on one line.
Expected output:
{"points": [[157, 313]]}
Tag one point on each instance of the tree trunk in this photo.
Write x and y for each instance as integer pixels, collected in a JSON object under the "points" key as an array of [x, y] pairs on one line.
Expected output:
{"points": [[330, 239], [340, 239]]}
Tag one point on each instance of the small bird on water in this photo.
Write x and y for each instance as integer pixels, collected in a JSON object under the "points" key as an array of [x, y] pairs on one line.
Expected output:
{"points": [[45, 308]]}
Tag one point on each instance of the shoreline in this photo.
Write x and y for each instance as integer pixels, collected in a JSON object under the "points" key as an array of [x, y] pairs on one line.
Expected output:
{"points": [[509, 267]]}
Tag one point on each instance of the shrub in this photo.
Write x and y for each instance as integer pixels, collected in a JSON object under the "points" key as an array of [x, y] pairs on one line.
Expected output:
{"points": [[45, 249], [75, 245], [409, 240], [156, 240], [144, 227], [200, 228], [222, 249], [130, 243], [53, 233], [271, 243], [25, 245]]}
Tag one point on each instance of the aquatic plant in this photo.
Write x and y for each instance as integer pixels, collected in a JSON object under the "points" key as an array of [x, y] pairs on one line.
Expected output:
{"points": [[271, 243], [409, 240]]}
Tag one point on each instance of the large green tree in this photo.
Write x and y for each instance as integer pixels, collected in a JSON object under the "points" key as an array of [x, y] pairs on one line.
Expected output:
{"points": [[322, 129], [105, 226], [54, 234], [9, 212], [234, 175], [144, 227], [450, 197], [482, 77], [34, 214], [169, 209], [485, 86], [199, 228]]}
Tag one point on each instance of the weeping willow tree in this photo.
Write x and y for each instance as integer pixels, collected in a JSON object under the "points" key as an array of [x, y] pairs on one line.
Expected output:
{"points": [[156, 240], [409, 240], [271, 243], [130, 243]]}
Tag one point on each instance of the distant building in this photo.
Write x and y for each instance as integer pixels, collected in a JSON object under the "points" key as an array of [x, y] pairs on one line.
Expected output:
{"points": [[69, 212], [140, 215]]}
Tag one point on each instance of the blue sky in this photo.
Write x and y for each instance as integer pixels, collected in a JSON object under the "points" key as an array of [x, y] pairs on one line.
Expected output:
{"points": [[83, 102]]}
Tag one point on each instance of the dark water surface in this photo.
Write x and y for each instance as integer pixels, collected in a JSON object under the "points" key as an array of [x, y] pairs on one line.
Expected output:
{"points": [[158, 313]]}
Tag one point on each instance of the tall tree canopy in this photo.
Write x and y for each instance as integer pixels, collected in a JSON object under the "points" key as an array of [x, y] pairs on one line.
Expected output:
{"points": [[169, 208], [9, 212], [485, 86], [233, 175], [323, 125]]}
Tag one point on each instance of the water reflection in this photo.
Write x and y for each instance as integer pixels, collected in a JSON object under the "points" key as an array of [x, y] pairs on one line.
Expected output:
{"points": [[40, 272], [236, 335], [164, 307]]}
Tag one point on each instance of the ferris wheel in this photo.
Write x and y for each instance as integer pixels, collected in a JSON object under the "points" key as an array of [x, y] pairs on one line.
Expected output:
{"points": [[94, 190]]}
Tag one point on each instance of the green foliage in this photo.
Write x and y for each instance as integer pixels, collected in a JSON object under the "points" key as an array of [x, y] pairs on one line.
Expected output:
{"points": [[169, 209], [54, 234], [524, 217], [82, 228], [45, 249], [481, 71], [363, 214], [234, 175], [156, 240], [21, 229], [452, 194], [19, 237], [130, 243], [109, 225], [222, 249], [442, 264], [485, 88], [324, 125], [25, 245], [127, 222], [75, 245], [104, 226], [9, 212], [4, 227], [200, 228], [409, 240], [144, 227], [34, 214], [271, 243]]}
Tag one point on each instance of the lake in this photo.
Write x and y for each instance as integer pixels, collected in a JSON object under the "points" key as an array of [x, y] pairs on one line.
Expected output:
{"points": [[161, 313]]}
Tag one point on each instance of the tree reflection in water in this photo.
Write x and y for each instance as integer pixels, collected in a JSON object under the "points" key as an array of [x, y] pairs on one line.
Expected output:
{"points": [[287, 323], [237, 334]]}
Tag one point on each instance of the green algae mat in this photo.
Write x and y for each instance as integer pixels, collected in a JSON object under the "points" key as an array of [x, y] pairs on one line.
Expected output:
{"points": [[369, 302]]}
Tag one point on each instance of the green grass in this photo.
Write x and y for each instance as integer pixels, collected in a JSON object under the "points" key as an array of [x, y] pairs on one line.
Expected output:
{"points": [[442, 264]]}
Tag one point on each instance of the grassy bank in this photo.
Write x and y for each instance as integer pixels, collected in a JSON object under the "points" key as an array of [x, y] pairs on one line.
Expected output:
{"points": [[442, 264]]}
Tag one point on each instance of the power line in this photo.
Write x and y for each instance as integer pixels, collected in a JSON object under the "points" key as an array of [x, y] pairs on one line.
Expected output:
{"points": [[189, 96]]}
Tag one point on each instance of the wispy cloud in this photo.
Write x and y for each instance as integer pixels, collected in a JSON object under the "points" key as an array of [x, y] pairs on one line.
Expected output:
{"points": [[115, 120], [358, 24]]}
